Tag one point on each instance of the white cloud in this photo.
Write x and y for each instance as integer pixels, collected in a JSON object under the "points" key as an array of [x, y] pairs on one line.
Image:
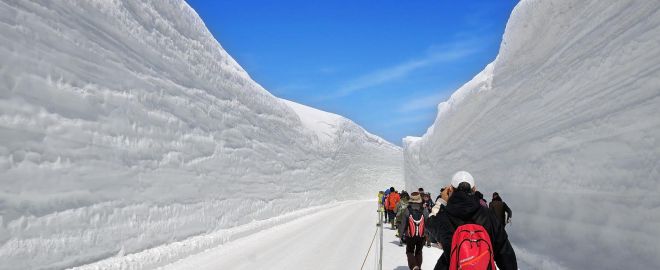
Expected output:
{"points": [[291, 87], [435, 55], [422, 103], [327, 70], [408, 119]]}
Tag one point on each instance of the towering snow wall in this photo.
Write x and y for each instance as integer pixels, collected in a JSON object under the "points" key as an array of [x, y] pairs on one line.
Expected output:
{"points": [[565, 124], [124, 125]]}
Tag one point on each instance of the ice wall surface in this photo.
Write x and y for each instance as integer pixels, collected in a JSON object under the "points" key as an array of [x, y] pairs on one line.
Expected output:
{"points": [[124, 125], [565, 124]]}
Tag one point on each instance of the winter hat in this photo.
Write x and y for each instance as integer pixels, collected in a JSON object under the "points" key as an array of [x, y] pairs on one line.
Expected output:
{"points": [[460, 177], [415, 197]]}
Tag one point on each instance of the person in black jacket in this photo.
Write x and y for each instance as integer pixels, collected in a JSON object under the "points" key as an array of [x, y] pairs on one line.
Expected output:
{"points": [[500, 208], [463, 207], [439, 206], [414, 242]]}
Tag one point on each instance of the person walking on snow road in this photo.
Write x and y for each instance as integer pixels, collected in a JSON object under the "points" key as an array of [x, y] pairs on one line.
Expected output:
{"points": [[427, 202], [390, 205], [439, 206], [464, 210], [386, 194], [413, 226], [381, 207], [500, 208], [400, 207], [428, 205], [381, 194]]}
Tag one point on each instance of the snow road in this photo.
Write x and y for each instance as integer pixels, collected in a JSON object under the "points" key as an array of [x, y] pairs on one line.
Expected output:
{"points": [[336, 238]]}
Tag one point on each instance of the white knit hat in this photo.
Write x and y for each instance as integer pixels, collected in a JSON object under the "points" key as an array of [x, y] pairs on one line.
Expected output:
{"points": [[460, 177]]}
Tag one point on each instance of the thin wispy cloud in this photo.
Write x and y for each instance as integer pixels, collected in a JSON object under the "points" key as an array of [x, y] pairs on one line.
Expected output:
{"points": [[422, 103], [435, 55], [408, 119], [291, 87], [327, 70], [382, 70]]}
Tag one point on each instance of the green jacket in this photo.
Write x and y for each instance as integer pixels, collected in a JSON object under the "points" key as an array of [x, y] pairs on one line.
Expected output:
{"points": [[400, 207]]}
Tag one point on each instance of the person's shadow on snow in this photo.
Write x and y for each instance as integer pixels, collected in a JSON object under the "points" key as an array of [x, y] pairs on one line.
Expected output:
{"points": [[395, 242]]}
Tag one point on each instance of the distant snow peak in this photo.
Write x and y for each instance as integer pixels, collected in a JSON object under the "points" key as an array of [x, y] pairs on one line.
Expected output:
{"points": [[329, 126]]}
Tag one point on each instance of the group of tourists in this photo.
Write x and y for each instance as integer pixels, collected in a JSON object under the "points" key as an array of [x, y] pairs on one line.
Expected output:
{"points": [[460, 221]]}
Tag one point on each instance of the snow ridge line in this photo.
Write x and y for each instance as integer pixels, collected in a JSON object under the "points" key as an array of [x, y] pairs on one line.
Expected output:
{"points": [[165, 254]]}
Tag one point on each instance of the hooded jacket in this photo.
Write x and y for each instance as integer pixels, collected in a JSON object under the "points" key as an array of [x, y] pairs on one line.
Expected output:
{"points": [[381, 199], [400, 207], [463, 208], [500, 207], [392, 200]]}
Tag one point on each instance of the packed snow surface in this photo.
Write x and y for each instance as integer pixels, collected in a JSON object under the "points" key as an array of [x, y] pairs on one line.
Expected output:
{"points": [[342, 236], [565, 125], [124, 125]]}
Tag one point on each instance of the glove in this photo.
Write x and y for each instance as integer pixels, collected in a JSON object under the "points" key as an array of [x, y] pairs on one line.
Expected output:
{"points": [[435, 210]]}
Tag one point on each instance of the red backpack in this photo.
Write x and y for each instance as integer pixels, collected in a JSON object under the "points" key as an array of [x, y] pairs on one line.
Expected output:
{"points": [[415, 223], [471, 249]]}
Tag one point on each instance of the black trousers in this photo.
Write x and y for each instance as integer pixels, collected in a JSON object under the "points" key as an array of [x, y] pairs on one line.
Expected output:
{"points": [[414, 247], [391, 214]]}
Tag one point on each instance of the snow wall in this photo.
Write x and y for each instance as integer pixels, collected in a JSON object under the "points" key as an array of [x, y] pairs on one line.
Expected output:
{"points": [[565, 124], [124, 125]]}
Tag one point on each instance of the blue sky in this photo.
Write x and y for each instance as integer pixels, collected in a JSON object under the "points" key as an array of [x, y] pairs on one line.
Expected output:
{"points": [[383, 64]]}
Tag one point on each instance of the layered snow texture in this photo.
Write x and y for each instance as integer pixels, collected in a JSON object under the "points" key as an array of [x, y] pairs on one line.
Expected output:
{"points": [[565, 124], [124, 125]]}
